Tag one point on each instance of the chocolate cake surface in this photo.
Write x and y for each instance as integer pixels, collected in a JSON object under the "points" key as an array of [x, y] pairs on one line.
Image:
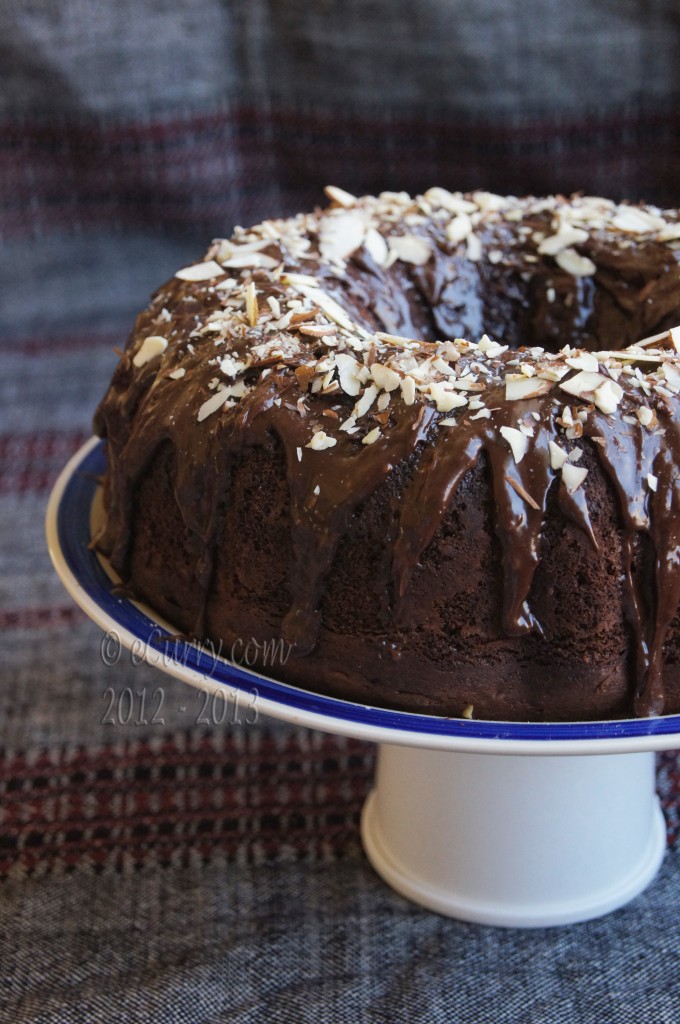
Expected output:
{"points": [[416, 443]]}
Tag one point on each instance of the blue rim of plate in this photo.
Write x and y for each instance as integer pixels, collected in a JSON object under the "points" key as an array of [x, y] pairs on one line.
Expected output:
{"points": [[70, 510]]}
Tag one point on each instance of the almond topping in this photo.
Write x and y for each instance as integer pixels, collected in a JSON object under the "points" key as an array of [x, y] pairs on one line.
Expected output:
{"points": [[200, 271], [583, 361], [252, 309], [446, 400], [517, 487], [567, 236], [339, 196], [366, 401], [340, 235], [518, 442], [573, 476], [151, 347], [408, 390], [608, 396], [459, 228], [558, 456], [385, 378], [320, 441], [518, 387], [376, 247], [575, 264], [410, 249], [372, 436]]}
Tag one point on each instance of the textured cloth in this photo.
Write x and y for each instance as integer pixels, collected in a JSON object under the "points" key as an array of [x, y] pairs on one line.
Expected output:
{"points": [[156, 866], [131, 133]]}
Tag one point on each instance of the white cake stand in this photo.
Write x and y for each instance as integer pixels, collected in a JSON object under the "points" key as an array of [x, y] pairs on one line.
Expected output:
{"points": [[514, 824]]}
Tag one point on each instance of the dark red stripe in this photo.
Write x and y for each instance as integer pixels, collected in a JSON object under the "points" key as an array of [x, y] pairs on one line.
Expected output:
{"points": [[76, 341], [205, 172], [242, 796], [47, 617], [30, 463]]}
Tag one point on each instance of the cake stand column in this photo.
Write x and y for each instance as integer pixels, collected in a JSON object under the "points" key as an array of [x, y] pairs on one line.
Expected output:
{"points": [[513, 840]]}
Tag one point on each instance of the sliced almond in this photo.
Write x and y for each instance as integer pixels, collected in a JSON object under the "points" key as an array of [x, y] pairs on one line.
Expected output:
{"points": [[566, 237], [151, 347], [459, 228], [670, 233], [348, 369], [365, 402], [330, 307], [523, 493], [575, 264], [519, 387], [636, 221], [608, 396], [320, 441], [254, 260], [454, 202], [318, 330], [558, 456], [252, 308], [474, 248], [212, 404], [395, 339], [376, 247], [645, 415], [573, 476], [384, 377], [200, 271], [672, 374], [372, 436], [584, 383], [583, 361], [340, 235], [408, 390], [445, 399], [490, 348], [552, 371], [410, 249], [340, 196], [518, 442]]}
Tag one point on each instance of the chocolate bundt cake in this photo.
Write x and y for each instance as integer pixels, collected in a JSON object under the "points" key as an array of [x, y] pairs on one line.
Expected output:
{"points": [[407, 441]]}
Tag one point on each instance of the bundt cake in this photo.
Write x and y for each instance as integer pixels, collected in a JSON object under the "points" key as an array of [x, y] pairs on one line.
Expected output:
{"points": [[417, 448]]}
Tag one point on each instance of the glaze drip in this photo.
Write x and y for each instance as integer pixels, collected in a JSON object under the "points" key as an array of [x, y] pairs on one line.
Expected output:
{"points": [[355, 395]]}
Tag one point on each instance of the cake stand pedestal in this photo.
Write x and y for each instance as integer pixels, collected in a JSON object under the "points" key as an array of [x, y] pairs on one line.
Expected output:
{"points": [[501, 823], [514, 840]]}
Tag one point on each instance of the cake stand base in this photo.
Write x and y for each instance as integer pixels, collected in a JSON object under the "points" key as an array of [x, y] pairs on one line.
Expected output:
{"points": [[513, 840]]}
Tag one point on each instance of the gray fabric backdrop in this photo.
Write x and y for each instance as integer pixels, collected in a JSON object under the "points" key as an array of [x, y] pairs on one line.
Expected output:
{"points": [[131, 133]]}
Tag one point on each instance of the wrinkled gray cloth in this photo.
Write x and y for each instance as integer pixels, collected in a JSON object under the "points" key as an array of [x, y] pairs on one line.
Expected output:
{"points": [[517, 58], [132, 133]]}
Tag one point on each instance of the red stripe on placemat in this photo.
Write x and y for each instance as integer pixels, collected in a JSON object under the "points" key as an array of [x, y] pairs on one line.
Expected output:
{"points": [[30, 463], [246, 162], [47, 617], [244, 795], [56, 344]]}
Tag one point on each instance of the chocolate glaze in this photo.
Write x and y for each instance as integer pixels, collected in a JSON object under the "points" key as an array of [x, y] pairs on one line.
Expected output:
{"points": [[146, 410]]}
